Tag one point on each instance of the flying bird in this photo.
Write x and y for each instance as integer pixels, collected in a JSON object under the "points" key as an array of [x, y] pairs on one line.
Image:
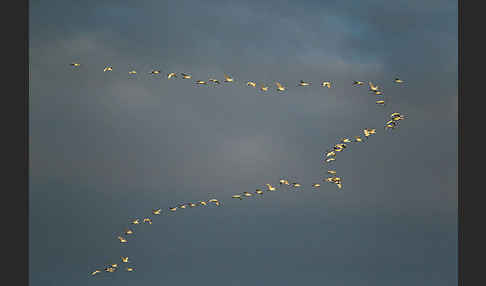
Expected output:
{"points": [[264, 88], [237, 197], [128, 231], [284, 182], [270, 187], [326, 84], [316, 185], [332, 172], [303, 83], [373, 87], [330, 160], [258, 191], [95, 272], [380, 102], [203, 203], [130, 269], [173, 209], [358, 82], [227, 78], [358, 139], [108, 68], [171, 75], [247, 194], [214, 81], [124, 259], [132, 72], [186, 76], [280, 86], [136, 221], [251, 83], [155, 72], [157, 211], [397, 80], [122, 239], [192, 205], [296, 185], [201, 82], [75, 65], [346, 140], [147, 220], [110, 269]]}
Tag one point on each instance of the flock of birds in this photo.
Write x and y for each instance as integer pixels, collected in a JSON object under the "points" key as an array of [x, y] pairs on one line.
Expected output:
{"points": [[328, 157], [262, 86]]}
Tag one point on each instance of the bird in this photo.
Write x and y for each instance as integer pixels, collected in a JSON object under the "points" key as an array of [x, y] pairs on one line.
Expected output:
{"points": [[213, 201], [136, 221], [155, 72], [339, 185], [332, 172], [227, 78], [251, 83], [284, 182], [367, 132], [192, 205], [378, 92], [130, 269], [346, 140], [330, 154], [75, 65], [263, 88], [173, 209], [95, 272], [132, 72], [114, 265], [330, 160], [395, 114], [329, 179], [122, 239], [186, 76], [336, 179], [203, 203], [303, 83], [237, 197], [396, 118], [373, 87], [171, 75], [157, 211], [214, 81], [316, 185], [147, 220], [358, 82], [296, 185], [247, 194], [110, 269], [279, 86], [391, 125], [124, 259], [182, 206], [380, 102], [128, 231], [270, 187], [258, 191], [201, 82], [397, 80], [357, 139], [326, 84], [108, 68]]}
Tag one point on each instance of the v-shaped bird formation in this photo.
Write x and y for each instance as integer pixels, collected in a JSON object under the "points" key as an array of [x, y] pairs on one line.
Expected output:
{"points": [[329, 155]]}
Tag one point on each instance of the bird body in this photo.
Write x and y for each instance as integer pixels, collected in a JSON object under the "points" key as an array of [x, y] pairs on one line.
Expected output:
{"points": [[251, 83], [128, 231], [237, 197], [373, 87], [95, 272], [171, 75], [397, 80], [108, 68], [201, 82], [358, 82], [280, 87], [157, 211], [136, 221], [214, 81], [124, 259], [270, 187], [316, 185], [186, 76], [264, 88], [304, 83], [155, 72], [227, 78], [75, 65], [326, 84]]}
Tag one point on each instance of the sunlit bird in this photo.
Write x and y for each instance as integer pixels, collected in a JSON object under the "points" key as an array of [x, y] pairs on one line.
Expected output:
{"points": [[214, 81], [155, 72], [330, 154], [110, 269], [75, 65], [380, 102], [171, 75], [316, 185], [237, 197], [173, 209], [186, 76], [132, 72], [328, 160], [373, 87], [303, 83], [263, 88], [284, 182], [128, 231], [296, 185], [122, 239], [114, 265], [227, 78], [358, 139], [247, 194], [192, 205], [157, 211], [147, 220], [124, 259], [251, 83], [378, 92], [358, 82], [397, 80], [130, 269], [270, 187], [201, 82], [332, 172], [182, 206], [346, 140], [203, 203], [326, 84], [108, 68], [280, 87], [258, 191], [136, 221], [95, 272]]}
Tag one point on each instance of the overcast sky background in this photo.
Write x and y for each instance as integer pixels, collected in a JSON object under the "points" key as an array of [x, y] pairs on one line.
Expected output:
{"points": [[105, 148]]}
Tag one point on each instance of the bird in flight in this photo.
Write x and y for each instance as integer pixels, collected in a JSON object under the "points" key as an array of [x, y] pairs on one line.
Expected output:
{"points": [[108, 68], [157, 211], [237, 197], [251, 83], [201, 82], [263, 88], [270, 187], [373, 87], [247, 194], [280, 86], [332, 172], [171, 75], [124, 259], [130, 269], [75, 65], [95, 272], [397, 80], [227, 78], [214, 81], [122, 239], [147, 220], [380, 102], [132, 72], [316, 185], [358, 82], [110, 269], [326, 84], [136, 221], [303, 83], [173, 209], [128, 231], [258, 191], [186, 76]]}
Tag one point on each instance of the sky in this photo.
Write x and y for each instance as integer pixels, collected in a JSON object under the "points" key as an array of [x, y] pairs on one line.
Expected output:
{"points": [[106, 148]]}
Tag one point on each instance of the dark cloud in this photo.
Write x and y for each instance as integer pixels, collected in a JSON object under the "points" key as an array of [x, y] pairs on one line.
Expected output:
{"points": [[105, 148]]}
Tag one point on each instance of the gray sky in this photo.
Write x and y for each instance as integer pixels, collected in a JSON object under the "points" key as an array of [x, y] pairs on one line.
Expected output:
{"points": [[105, 148]]}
